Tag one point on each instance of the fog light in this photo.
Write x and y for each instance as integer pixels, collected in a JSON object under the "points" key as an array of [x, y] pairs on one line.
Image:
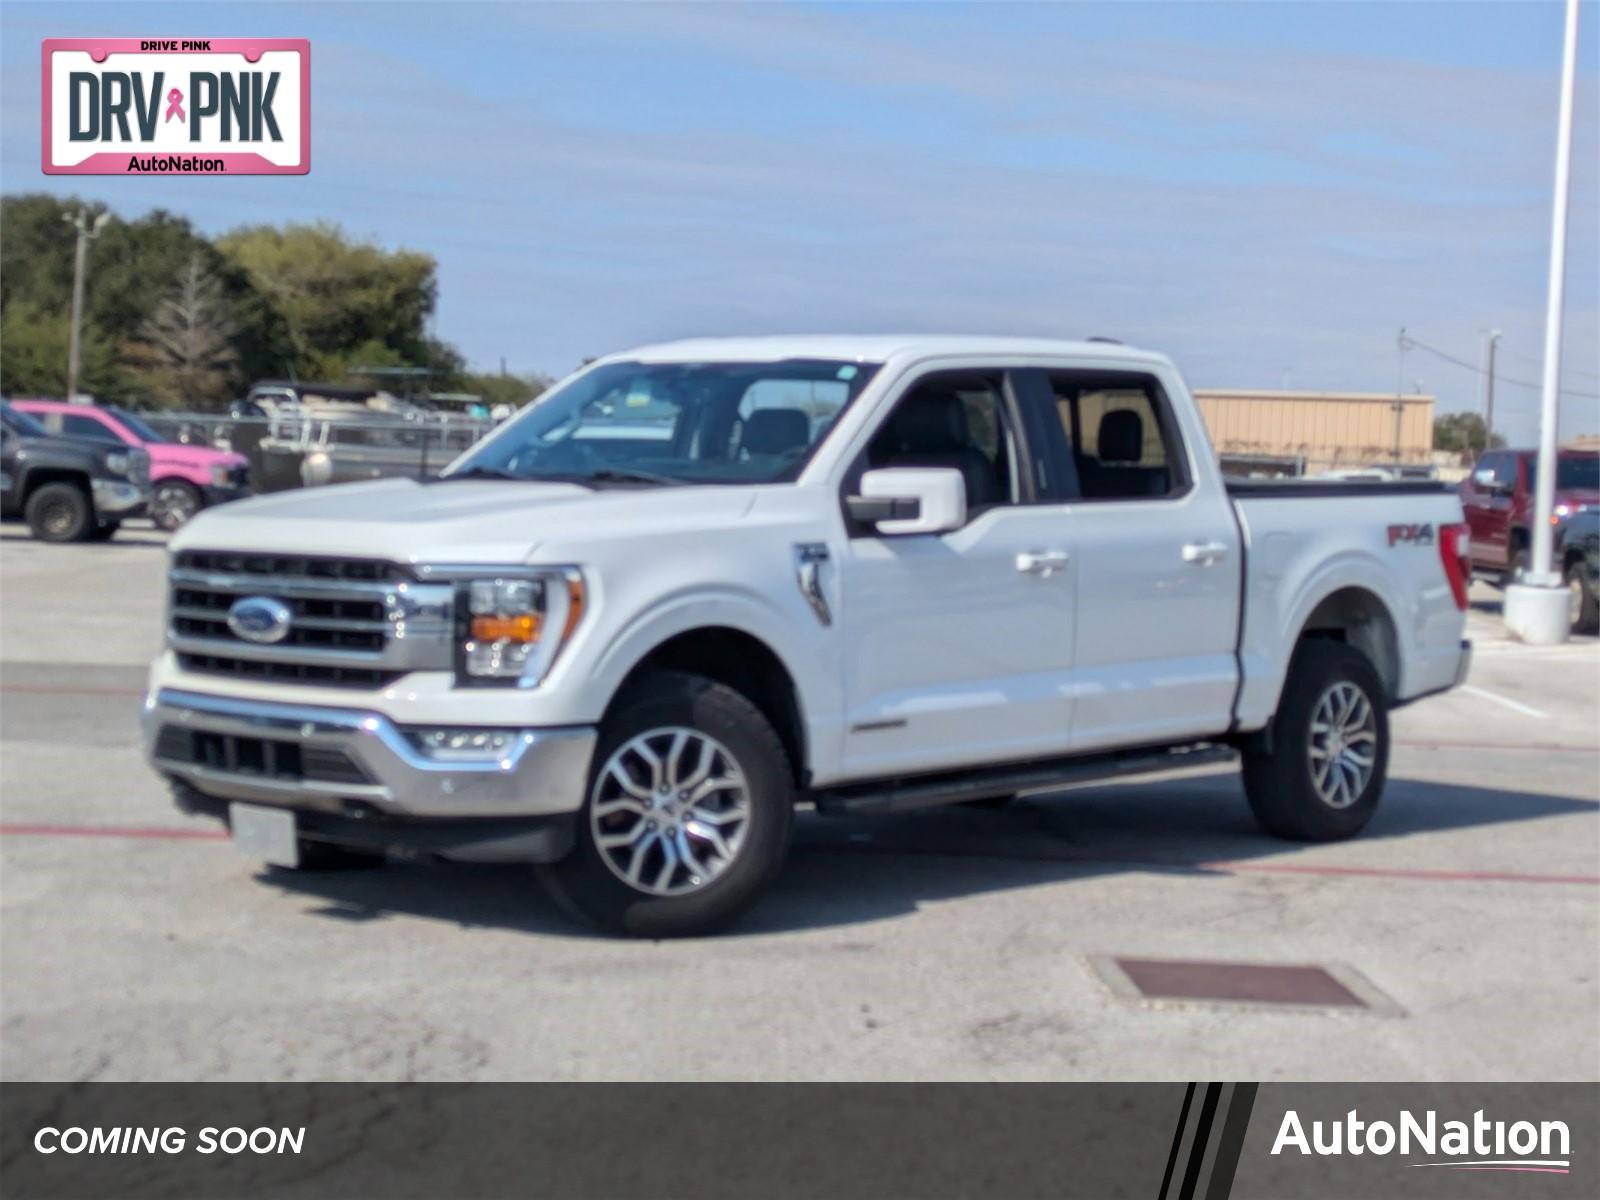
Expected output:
{"points": [[464, 745]]}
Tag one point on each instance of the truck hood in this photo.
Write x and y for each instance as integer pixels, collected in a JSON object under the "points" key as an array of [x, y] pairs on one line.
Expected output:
{"points": [[470, 520], [194, 458]]}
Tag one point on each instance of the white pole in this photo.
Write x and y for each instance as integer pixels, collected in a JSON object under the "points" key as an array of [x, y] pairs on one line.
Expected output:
{"points": [[1539, 566]]}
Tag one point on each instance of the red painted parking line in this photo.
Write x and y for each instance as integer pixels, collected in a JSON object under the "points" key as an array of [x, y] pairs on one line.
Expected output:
{"points": [[167, 833]]}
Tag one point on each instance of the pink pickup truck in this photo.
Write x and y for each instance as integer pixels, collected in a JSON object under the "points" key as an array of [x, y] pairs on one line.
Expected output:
{"points": [[183, 479]]}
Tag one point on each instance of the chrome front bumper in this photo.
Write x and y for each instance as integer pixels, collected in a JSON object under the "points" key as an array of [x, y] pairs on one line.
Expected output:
{"points": [[350, 761], [113, 497]]}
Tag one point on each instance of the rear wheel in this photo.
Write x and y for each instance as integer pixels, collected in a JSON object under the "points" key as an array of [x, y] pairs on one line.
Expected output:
{"points": [[1329, 754], [688, 814], [60, 512], [172, 502], [1585, 608]]}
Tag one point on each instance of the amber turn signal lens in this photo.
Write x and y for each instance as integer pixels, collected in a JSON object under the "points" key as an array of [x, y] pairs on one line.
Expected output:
{"points": [[521, 628]]}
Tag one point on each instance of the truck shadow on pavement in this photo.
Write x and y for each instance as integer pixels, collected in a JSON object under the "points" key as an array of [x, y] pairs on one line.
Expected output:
{"points": [[849, 871]]}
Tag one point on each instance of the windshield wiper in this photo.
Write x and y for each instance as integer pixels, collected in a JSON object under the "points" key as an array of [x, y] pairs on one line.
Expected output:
{"points": [[630, 475], [482, 473]]}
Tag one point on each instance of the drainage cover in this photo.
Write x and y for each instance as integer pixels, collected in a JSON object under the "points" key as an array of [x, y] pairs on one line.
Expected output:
{"points": [[1272, 985]]}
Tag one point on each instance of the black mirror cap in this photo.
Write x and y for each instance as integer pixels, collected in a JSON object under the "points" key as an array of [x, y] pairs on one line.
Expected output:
{"points": [[869, 510]]}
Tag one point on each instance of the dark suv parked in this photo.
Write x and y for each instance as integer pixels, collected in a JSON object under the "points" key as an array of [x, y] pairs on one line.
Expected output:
{"points": [[68, 489]]}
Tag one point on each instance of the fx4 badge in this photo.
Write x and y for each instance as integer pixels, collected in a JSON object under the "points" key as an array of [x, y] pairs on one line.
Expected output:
{"points": [[1413, 535]]}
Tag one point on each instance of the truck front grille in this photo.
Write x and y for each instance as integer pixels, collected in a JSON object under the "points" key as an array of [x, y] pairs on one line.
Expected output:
{"points": [[265, 757], [356, 623]]}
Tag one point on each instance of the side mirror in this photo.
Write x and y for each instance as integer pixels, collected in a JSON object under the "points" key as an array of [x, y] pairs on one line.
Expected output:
{"points": [[908, 500], [1484, 478]]}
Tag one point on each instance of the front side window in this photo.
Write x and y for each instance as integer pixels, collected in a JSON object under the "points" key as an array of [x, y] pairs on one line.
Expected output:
{"points": [[673, 423], [141, 430], [955, 420]]}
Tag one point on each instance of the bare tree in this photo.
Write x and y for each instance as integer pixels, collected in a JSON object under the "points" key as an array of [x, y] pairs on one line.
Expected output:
{"points": [[185, 347]]}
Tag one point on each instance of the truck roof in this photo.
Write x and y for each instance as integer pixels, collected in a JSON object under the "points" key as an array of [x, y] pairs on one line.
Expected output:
{"points": [[874, 348]]}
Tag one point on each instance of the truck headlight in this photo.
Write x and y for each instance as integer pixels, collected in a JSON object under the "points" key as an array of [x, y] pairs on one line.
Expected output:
{"points": [[510, 626], [117, 462], [220, 475]]}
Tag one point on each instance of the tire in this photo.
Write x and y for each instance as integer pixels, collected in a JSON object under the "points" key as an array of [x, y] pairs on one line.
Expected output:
{"points": [[697, 730], [1517, 567], [104, 531], [60, 512], [1282, 784], [1585, 603], [172, 502]]}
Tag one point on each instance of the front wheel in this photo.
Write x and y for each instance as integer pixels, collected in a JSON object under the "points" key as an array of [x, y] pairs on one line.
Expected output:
{"points": [[687, 818], [60, 512], [172, 502], [1329, 754]]}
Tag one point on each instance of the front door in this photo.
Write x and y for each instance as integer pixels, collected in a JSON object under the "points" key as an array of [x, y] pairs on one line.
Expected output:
{"points": [[958, 645]]}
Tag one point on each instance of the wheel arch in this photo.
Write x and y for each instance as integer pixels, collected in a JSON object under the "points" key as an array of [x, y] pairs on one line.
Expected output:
{"points": [[1361, 619], [38, 477], [740, 660]]}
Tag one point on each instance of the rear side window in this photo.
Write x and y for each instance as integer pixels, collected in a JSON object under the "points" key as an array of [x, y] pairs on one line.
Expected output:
{"points": [[1118, 431]]}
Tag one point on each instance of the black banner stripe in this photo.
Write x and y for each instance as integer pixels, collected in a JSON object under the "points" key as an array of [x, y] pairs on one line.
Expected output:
{"points": [[1177, 1140], [1240, 1105], [1202, 1135]]}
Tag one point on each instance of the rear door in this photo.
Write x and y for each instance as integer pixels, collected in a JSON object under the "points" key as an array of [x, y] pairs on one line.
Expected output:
{"points": [[1156, 560]]}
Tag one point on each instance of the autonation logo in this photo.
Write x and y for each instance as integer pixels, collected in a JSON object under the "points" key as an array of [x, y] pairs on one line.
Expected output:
{"points": [[1476, 1145]]}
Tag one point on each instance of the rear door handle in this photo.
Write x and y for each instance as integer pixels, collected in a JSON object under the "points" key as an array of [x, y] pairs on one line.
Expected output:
{"points": [[1042, 562], [1205, 553]]}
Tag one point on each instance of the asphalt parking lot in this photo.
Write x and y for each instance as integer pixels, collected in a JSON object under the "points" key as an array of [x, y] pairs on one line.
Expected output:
{"points": [[949, 944]]}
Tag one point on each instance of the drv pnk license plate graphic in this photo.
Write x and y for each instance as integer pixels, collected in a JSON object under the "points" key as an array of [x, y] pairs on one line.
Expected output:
{"points": [[173, 106]]}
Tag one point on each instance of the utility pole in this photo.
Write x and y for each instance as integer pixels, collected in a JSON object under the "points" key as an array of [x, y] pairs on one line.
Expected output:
{"points": [[1537, 608], [87, 231], [1491, 339], [1399, 405]]}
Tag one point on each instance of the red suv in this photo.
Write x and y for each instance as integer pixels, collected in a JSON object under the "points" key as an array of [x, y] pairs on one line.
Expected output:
{"points": [[1498, 500]]}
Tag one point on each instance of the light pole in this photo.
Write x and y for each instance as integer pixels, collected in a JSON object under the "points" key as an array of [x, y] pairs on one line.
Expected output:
{"points": [[88, 230], [1537, 608], [1491, 337]]}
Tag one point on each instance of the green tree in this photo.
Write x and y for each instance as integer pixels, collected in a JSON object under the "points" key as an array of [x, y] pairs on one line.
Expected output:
{"points": [[1463, 433], [184, 350], [337, 300]]}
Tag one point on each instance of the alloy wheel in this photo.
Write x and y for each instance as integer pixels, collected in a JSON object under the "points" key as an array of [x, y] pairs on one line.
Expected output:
{"points": [[669, 811], [171, 505], [1343, 748]]}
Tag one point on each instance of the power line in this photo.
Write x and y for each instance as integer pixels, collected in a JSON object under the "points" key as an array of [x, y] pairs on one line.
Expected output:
{"points": [[1532, 361], [1408, 342]]}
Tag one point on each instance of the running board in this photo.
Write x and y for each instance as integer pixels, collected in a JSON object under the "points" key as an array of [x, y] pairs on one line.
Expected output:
{"points": [[900, 795]]}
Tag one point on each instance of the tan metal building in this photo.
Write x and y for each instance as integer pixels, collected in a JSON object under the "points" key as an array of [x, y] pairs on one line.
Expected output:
{"points": [[1317, 431]]}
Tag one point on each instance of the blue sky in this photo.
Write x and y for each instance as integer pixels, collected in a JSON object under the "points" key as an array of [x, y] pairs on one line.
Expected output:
{"points": [[1267, 191]]}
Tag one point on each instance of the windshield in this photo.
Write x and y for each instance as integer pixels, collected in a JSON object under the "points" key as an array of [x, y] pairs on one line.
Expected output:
{"points": [[667, 423], [140, 430], [1574, 473], [21, 422]]}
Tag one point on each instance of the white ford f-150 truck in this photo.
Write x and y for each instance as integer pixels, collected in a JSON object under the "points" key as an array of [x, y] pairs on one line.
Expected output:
{"points": [[698, 584]]}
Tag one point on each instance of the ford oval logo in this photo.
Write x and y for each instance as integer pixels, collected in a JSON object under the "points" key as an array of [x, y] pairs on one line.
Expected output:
{"points": [[260, 619]]}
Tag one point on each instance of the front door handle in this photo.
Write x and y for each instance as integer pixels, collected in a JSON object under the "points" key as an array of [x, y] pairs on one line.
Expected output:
{"points": [[1205, 553], [1042, 562]]}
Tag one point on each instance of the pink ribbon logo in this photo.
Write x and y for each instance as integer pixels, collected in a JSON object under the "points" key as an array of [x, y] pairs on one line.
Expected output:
{"points": [[175, 105]]}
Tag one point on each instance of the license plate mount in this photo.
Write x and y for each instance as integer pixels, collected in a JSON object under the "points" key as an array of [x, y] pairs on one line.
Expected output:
{"points": [[265, 833]]}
